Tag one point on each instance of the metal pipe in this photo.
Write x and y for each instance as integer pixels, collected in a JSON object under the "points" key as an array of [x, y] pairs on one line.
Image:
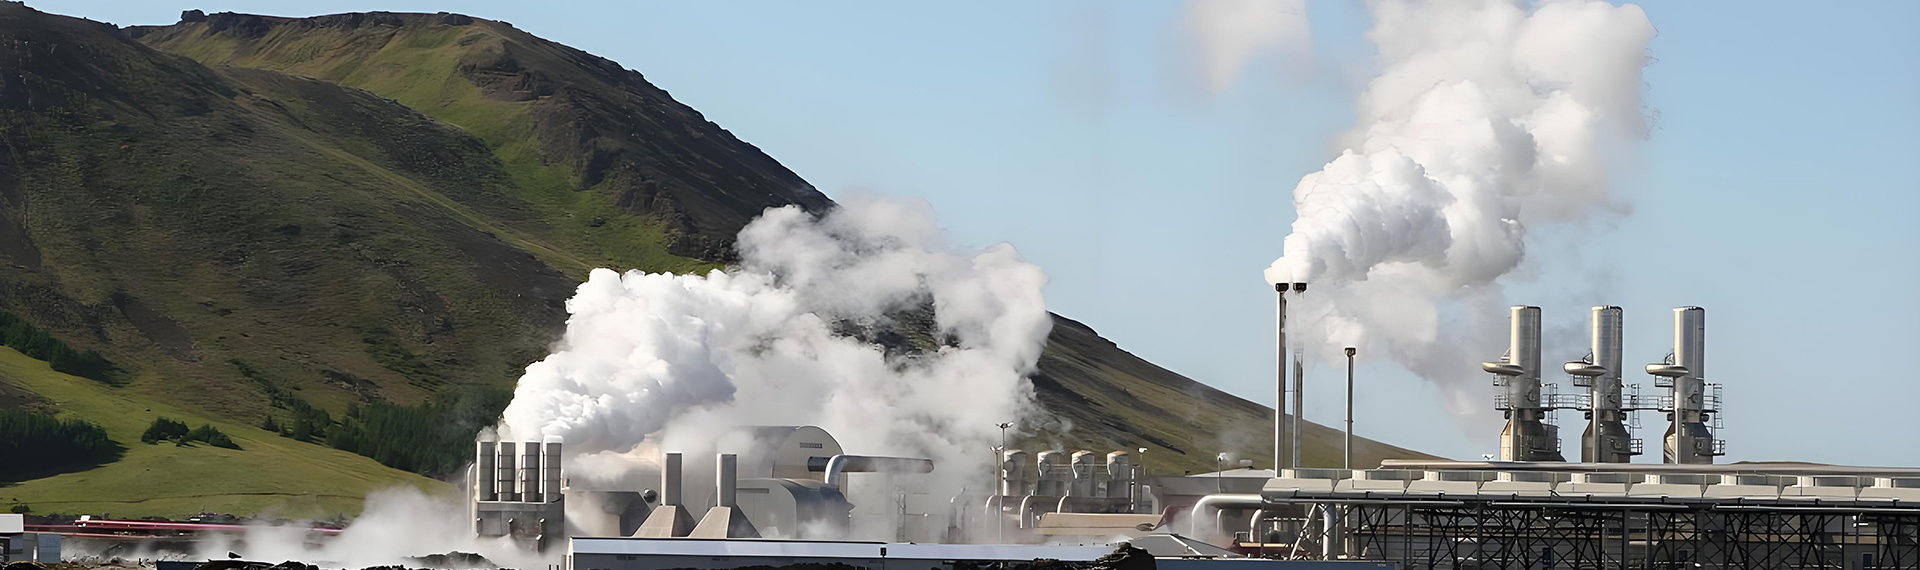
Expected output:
{"points": [[551, 465], [530, 472], [670, 480], [1299, 407], [839, 466], [1346, 443], [505, 473], [483, 476], [726, 479], [1281, 456], [1216, 502]]}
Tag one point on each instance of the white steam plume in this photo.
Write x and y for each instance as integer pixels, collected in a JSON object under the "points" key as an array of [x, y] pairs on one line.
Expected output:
{"points": [[1227, 34], [675, 360], [1488, 117]]}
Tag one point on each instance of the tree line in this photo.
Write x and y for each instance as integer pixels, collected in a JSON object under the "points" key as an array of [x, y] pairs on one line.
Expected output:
{"points": [[433, 439], [33, 444], [163, 429], [37, 343]]}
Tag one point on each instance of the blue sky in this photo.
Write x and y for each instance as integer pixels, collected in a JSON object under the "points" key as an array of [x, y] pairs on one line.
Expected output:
{"points": [[1778, 188]]}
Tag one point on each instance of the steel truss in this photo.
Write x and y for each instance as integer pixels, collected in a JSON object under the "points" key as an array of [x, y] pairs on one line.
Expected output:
{"points": [[1517, 534]]}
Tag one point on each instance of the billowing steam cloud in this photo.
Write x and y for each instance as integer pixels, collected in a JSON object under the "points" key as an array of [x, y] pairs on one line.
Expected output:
{"points": [[787, 338], [1227, 34], [1488, 117]]}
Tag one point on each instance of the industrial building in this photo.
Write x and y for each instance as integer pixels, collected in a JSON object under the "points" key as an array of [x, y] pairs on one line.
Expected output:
{"points": [[1529, 509]]}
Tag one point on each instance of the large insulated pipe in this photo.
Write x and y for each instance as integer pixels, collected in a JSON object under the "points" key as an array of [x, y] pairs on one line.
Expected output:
{"points": [[1013, 472], [727, 480], [670, 486], [1084, 482], [530, 475], [485, 488], [839, 466], [1526, 436], [1688, 440], [507, 477], [1209, 507], [551, 465]]}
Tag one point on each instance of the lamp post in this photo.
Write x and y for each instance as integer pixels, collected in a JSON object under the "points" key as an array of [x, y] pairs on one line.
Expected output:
{"points": [[1346, 444], [1219, 467]]}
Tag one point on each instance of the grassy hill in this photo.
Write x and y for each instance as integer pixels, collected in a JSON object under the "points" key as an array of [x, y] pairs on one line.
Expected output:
{"points": [[243, 211], [168, 480]]}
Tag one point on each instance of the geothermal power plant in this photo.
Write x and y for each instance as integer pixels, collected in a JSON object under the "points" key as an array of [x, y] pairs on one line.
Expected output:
{"points": [[794, 495]]}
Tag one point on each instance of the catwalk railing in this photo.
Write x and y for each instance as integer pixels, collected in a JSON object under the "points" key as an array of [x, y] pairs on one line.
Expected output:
{"points": [[1551, 533]]}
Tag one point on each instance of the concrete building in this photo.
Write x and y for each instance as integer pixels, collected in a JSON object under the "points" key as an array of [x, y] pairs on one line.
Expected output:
{"points": [[18, 545]]}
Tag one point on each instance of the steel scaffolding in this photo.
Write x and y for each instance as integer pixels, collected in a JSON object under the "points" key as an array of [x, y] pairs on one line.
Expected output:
{"points": [[1517, 533]]}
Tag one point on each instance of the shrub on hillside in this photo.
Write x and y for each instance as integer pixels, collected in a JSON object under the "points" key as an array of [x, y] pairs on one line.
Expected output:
{"points": [[163, 429], [210, 435]]}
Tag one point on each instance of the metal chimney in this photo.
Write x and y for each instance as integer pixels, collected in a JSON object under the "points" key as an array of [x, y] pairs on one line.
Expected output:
{"points": [[507, 476], [1013, 472], [1688, 440], [1119, 475], [551, 465], [727, 480], [1299, 408], [1084, 481], [1607, 439], [530, 473], [670, 480], [483, 483], [1527, 437], [1051, 475]]}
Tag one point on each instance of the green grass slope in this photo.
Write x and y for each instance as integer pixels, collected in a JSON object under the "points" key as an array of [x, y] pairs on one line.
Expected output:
{"points": [[169, 480]]}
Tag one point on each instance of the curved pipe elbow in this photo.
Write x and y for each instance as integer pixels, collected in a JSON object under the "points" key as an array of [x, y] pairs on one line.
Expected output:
{"points": [[840, 465], [1211, 505]]}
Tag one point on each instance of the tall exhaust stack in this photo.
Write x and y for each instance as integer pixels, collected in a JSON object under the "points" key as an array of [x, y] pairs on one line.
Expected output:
{"points": [[1299, 409], [507, 476], [530, 475], [550, 466], [1527, 436], [1688, 439], [484, 486], [1607, 439]]}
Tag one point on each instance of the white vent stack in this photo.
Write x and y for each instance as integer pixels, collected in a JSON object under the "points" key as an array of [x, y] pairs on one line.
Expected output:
{"points": [[484, 486], [1084, 474], [1527, 437], [1119, 475], [551, 465], [507, 476], [1690, 407], [530, 473], [670, 519], [727, 480], [1013, 472], [1299, 409], [1051, 475], [670, 484], [1607, 439]]}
